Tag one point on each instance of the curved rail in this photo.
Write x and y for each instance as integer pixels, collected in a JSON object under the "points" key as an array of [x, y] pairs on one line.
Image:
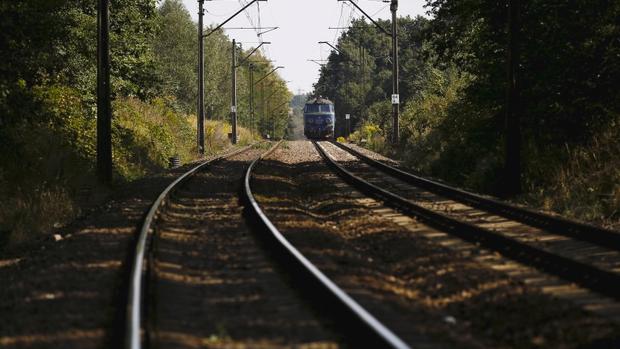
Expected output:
{"points": [[134, 303], [379, 331], [558, 225], [601, 281]]}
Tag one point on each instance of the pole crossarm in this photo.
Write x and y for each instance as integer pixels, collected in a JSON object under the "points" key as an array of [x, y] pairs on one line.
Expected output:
{"points": [[276, 108], [272, 94], [332, 46], [271, 72], [251, 53], [370, 18], [252, 28], [318, 61], [231, 17], [268, 30], [339, 51]]}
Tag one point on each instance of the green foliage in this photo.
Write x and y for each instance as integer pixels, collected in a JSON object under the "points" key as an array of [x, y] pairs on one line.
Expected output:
{"points": [[48, 94], [45, 158], [453, 92], [568, 59], [37, 145], [362, 74], [371, 137], [587, 186], [176, 52], [441, 130], [145, 135], [53, 157]]}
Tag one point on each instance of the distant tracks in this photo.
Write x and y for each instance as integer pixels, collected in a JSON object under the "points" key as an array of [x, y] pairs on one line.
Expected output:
{"points": [[601, 280], [357, 320]]}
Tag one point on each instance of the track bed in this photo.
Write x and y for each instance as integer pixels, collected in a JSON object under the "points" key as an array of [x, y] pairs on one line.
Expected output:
{"points": [[428, 293]]}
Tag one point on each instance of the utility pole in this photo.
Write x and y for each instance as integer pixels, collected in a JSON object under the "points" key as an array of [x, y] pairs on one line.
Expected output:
{"points": [[513, 108], [262, 103], [104, 105], [201, 82], [252, 99], [251, 72], [261, 80], [234, 97], [233, 108], [395, 77]]}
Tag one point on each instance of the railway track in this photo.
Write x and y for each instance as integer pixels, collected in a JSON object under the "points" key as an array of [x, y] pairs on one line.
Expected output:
{"points": [[593, 262], [172, 234], [554, 224]]}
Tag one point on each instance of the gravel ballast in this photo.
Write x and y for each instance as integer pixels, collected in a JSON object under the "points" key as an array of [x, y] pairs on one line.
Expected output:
{"points": [[426, 292]]}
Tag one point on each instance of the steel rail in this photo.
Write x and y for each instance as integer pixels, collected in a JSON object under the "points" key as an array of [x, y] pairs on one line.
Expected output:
{"points": [[380, 332], [134, 303], [601, 281], [557, 225]]}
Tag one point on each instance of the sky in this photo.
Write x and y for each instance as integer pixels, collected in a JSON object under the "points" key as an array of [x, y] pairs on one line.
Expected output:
{"points": [[302, 24]]}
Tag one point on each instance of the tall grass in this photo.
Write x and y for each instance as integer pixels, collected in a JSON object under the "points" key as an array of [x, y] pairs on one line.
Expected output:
{"points": [[444, 136], [370, 136], [47, 159], [586, 185]]}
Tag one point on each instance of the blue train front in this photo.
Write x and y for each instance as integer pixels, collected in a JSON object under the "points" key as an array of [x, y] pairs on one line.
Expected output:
{"points": [[319, 119]]}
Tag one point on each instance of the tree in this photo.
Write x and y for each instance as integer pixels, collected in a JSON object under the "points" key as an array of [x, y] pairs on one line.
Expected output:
{"points": [[176, 51]]}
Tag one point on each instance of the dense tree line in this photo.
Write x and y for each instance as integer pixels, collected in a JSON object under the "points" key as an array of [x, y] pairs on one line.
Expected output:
{"points": [[48, 94], [454, 78], [176, 53]]}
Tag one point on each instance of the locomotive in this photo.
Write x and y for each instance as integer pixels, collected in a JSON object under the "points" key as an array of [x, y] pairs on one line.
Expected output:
{"points": [[319, 118]]}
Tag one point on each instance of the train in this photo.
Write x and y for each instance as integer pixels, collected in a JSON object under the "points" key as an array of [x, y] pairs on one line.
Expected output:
{"points": [[319, 118]]}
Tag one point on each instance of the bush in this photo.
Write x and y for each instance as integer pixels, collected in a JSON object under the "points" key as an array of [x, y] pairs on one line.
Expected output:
{"points": [[47, 155], [586, 185], [433, 129], [371, 137], [145, 135]]}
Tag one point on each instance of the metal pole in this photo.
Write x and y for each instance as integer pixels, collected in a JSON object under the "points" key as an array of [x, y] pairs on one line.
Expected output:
{"points": [[262, 104], [233, 108], [512, 121], [252, 100], [395, 86], [104, 106], [348, 128], [201, 82]]}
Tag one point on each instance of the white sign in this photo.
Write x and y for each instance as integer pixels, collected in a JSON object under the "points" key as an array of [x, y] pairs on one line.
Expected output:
{"points": [[233, 109], [347, 116], [395, 99]]}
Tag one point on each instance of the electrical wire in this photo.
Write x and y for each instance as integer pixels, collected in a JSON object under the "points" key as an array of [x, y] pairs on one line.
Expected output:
{"points": [[339, 23]]}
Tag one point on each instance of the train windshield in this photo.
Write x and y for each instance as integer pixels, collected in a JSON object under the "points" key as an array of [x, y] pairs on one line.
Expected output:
{"points": [[312, 108], [326, 108], [319, 108]]}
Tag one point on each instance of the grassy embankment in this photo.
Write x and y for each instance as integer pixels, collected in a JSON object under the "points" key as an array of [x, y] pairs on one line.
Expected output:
{"points": [[48, 176], [579, 181]]}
